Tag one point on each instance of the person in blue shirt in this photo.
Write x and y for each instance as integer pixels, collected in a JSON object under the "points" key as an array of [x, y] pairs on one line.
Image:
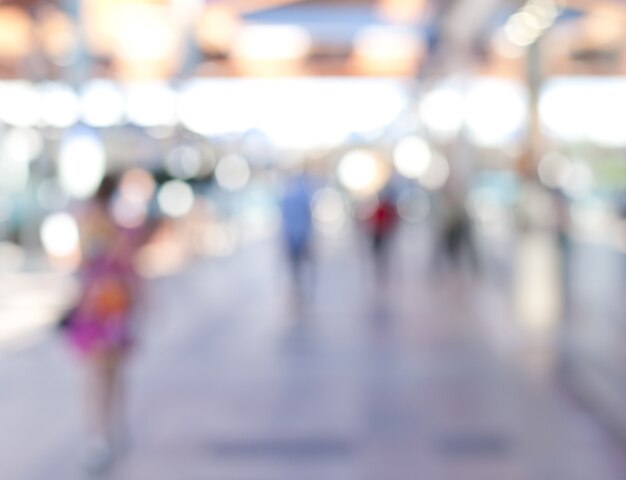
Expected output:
{"points": [[297, 223]]}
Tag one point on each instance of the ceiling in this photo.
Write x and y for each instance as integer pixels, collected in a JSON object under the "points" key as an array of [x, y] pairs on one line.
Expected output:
{"points": [[456, 35]]}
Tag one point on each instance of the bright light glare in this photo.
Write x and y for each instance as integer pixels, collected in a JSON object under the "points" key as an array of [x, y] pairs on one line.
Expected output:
{"points": [[496, 112], [151, 105], [585, 109], [82, 165], [216, 28], [21, 105], [384, 103], [442, 111], [358, 170], [522, 29], [102, 104], [175, 198], [60, 105], [543, 13], [526, 26], [232, 172], [606, 113], [272, 42], [217, 107], [412, 157], [143, 32], [560, 110], [59, 235], [384, 43]]}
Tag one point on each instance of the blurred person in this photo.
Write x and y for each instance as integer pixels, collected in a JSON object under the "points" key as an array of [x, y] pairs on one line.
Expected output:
{"points": [[455, 241], [562, 227], [380, 225], [100, 328], [297, 225]]}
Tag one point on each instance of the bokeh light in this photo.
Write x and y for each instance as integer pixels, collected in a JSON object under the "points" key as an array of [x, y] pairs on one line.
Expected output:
{"points": [[361, 172], [176, 198], [102, 104], [151, 105], [412, 157], [442, 111], [82, 164], [496, 112], [59, 235], [232, 172], [21, 104], [60, 105]]}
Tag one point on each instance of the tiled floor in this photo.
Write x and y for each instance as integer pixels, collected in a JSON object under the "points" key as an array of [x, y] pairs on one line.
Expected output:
{"points": [[414, 379]]}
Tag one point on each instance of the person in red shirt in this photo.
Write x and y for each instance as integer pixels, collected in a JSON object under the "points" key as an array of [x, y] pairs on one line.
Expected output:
{"points": [[381, 224]]}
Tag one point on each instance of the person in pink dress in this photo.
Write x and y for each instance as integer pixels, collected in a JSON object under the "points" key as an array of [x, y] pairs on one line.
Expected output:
{"points": [[101, 326]]}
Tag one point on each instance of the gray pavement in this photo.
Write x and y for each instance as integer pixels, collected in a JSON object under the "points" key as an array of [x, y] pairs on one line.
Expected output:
{"points": [[424, 377]]}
